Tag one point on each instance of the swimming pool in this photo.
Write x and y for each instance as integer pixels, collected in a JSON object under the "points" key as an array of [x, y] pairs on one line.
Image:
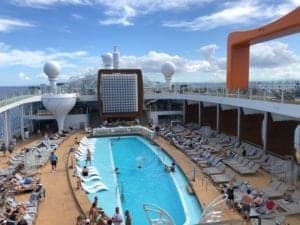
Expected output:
{"points": [[142, 180]]}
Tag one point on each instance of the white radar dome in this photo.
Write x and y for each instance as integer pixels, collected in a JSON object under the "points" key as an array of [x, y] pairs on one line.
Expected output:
{"points": [[52, 69], [107, 59], [168, 69]]}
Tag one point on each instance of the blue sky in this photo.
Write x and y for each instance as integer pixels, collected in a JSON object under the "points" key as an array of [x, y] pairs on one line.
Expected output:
{"points": [[190, 33]]}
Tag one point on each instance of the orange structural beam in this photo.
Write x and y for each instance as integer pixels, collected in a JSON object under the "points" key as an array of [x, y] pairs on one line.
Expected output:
{"points": [[239, 42]]}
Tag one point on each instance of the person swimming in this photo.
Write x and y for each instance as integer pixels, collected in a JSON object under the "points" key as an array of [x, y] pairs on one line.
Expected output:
{"points": [[116, 170], [170, 168]]}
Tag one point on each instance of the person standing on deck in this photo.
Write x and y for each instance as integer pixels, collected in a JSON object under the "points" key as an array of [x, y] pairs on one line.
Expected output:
{"points": [[246, 203], [53, 161], [88, 157], [117, 217], [128, 218]]}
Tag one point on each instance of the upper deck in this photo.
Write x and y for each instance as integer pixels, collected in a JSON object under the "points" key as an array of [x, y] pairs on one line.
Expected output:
{"points": [[283, 102]]}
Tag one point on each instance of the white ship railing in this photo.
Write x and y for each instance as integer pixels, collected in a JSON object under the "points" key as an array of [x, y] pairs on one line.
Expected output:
{"points": [[290, 95], [106, 131]]}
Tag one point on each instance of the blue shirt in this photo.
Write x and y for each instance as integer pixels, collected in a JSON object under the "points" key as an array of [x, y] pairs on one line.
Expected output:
{"points": [[53, 157]]}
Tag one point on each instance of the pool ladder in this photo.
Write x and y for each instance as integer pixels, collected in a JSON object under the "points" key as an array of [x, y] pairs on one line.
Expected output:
{"points": [[161, 216]]}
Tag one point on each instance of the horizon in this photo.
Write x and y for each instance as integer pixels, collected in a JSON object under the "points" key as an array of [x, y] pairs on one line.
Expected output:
{"points": [[190, 33]]}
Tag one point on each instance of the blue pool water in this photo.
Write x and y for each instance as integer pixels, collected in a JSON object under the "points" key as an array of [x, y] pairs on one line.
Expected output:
{"points": [[134, 186]]}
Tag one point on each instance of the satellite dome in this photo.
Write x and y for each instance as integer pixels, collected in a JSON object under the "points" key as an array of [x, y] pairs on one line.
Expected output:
{"points": [[168, 69], [107, 59], [52, 69]]}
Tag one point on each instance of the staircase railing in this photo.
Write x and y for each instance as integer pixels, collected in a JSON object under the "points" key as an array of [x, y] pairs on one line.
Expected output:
{"points": [[209, 213], [157, 216]]}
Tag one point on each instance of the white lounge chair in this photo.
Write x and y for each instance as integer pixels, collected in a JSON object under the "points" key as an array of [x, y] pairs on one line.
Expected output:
{"points": [[95, 187]]}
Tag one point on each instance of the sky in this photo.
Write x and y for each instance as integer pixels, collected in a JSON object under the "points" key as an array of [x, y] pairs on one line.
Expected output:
{"points": [[190, 33]]}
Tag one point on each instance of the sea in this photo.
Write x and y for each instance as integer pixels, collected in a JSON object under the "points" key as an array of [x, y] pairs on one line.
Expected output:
{"points": [[8, 91]]}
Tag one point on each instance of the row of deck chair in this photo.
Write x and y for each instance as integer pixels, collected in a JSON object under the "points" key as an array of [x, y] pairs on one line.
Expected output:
{"points": [[30, 213], [293, 206], [242, 165], [275, 189]]}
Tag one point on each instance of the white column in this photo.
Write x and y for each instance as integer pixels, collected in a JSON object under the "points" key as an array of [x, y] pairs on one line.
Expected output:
{"points": [[265, 131], [22, 121], [6, 127], [239, 123], [31, 121], [200, 112], [218, 117], [183, 113]]}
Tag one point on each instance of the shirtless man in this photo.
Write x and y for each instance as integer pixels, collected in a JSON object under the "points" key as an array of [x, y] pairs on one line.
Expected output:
{"points": [[246, 203]]}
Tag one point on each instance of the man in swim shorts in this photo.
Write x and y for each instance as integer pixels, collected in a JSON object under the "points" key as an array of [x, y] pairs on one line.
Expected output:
{"points": [[53, 161], [246, 203]]}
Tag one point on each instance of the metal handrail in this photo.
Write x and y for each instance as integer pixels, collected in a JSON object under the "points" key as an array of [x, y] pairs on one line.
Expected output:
{"points": [[208, 210], [288, 95], [163, 219]]}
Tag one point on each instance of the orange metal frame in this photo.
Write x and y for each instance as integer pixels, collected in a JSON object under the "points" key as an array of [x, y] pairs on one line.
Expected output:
{"points": [[239, 42]]}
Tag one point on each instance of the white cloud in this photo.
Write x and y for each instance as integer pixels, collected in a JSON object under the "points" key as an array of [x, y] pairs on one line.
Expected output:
{"points": [[217, 65], [77, 16], [208, 51], [153, 60], [8, 24], [46, 3], [35, 58], [120, 16], [123, 11], [270, 60], [41, 76], [273, 61], [23, 76], [236, 12], [272, 54], [120, 12]]}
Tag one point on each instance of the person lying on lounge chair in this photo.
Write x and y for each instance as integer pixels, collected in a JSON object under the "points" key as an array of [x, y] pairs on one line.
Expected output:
{"points": [[85, 171], [258, 200], [24, 187]]}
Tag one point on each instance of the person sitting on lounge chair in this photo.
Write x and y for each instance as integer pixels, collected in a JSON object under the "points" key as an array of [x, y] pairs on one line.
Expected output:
{"points": [[271, 205], [38, 194], [258, 200], [288, 197], [85, 171], [24, 187], [3, 148]]}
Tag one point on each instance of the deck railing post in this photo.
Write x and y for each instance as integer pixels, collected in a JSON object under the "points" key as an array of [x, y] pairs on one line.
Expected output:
{"points": [[194, 174]]}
